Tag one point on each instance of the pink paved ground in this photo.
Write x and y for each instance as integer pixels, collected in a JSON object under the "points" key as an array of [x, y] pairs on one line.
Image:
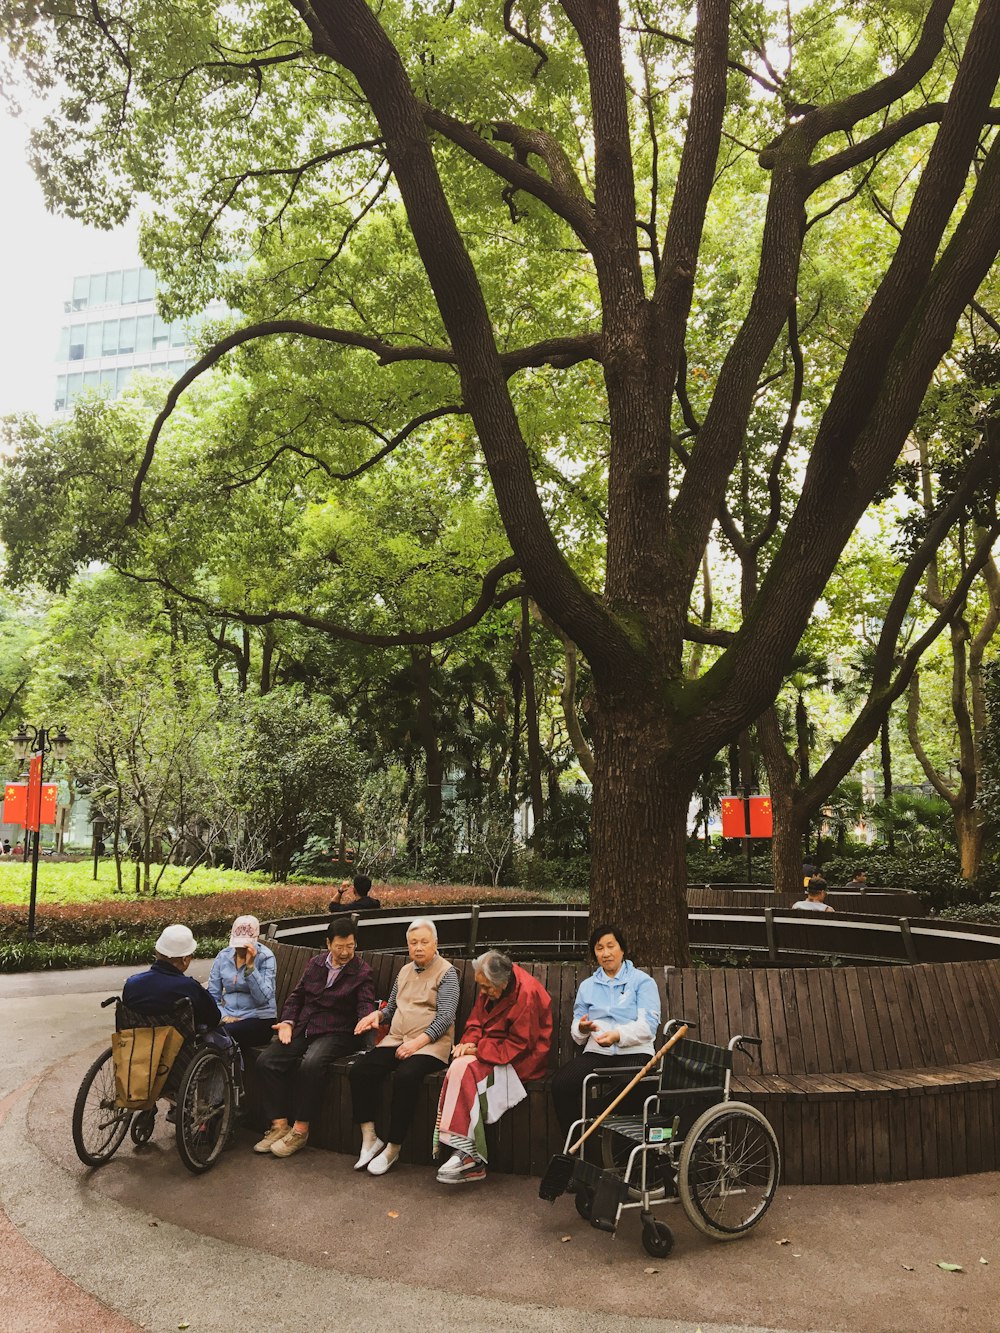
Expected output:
{"points": [[862, 1260], [34, 1297]]}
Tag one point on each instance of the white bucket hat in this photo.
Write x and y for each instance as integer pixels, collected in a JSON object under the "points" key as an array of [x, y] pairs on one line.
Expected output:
{"points": [[177, 942]]}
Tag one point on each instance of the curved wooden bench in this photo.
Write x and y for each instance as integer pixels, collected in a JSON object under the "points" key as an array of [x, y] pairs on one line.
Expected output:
{"points": [[866, 1073]]}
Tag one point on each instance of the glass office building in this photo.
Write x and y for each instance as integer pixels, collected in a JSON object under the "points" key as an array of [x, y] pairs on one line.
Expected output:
{"points": [[112, 330]]}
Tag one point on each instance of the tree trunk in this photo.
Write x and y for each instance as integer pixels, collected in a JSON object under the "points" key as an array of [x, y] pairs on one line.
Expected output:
{"points": [[428, 734], [790, 822], [531, 723], [638, 834], [970, 835], [886, 757]]}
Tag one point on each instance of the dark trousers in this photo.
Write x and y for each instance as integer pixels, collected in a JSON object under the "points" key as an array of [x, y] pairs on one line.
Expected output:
{"points": [[407, 1075], [249, 1031], [567, 1085], [293, 1078]]}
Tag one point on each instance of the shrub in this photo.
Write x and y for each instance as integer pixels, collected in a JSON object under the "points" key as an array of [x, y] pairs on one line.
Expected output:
{"points": [[546, 874]]}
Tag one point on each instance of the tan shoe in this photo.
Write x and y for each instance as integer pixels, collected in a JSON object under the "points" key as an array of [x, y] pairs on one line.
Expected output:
{"points": [[290, 1143], [271, 1137]]}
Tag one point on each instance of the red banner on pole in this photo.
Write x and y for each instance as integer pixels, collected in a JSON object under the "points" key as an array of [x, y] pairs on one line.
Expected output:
{"points": [[15, 803], [733, 817], [50, 802], [34, 812], [761, 817]]}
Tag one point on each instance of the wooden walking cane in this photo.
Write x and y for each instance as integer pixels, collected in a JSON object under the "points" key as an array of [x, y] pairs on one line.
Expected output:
{"points": [[560, 1169]]}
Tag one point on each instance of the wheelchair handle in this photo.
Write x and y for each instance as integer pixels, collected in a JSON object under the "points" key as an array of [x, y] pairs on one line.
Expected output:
{"points": [[112, 999]]}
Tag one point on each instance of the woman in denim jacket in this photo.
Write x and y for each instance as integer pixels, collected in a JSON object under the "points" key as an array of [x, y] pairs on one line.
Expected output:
{"points": [[242, 984], [615, 1019]]}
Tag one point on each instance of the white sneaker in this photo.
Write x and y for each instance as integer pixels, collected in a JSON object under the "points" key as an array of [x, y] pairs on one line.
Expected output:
{"points": [[367, 1154], [379, 1165]]}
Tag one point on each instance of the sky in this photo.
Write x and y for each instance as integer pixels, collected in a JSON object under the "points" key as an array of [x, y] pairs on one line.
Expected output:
{"points": [[41, 255]]}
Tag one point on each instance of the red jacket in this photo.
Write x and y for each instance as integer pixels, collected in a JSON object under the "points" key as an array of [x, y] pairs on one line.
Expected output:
{"points": [[516, 1029]]}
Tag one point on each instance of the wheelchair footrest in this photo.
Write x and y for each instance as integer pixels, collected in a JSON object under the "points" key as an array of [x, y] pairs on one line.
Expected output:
{"points": [[609, 1195]]}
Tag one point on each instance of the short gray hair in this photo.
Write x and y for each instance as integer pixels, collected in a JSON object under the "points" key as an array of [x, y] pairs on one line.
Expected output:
{"points": [[495, 966], [423, 923]]}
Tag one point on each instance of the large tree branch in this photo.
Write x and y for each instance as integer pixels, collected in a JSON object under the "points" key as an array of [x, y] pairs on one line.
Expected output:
{"points": [[882, 140], [489, 599], [350, 30], [559, 352], [563, 194]]}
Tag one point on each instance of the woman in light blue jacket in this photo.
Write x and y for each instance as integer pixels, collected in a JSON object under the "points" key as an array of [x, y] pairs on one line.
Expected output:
{"points": [[242, 984], [615, 1019]]}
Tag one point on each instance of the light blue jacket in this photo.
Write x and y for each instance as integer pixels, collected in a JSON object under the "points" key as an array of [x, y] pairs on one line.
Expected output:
{"points": [[628, 1001], [240, 994]]}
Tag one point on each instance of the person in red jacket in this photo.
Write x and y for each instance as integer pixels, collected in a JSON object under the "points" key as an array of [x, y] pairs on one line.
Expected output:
{"points": [[505, 1044]]}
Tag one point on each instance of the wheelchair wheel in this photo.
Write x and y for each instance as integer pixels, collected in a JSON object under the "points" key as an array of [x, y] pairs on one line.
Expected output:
{"points": [[728, 1170], [99, 1126], [584, 1200], [204, 1114], [657, 1239], [142, 1126]]}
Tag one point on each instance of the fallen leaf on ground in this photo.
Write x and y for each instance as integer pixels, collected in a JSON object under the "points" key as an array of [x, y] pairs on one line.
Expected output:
{"points": [[392, 1214], [183, 1325], [908, 1267], [784, 1241], [952, 1268], [650, 1270], [564, 1239], [982, 1260]]}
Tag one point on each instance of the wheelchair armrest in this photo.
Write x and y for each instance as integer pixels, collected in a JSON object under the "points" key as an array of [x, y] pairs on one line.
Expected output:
{"points": [[600, 1076], [715, 1089]]}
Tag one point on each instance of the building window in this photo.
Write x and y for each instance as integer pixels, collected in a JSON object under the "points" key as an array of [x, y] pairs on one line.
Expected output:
{"points": [[114, 289], [178, 335], [123, 375], [147, 284], [144, 333], [63, 353], [94, 339], [81, 286], [161, 332], [130, 286], [74, 383], [60, 392], [76, 342], [126, 334], [108, 383], [98, 286], [109, 345]]}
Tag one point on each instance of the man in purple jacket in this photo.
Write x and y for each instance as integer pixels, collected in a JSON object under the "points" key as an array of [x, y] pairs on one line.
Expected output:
{"points": [[316, 1027]]}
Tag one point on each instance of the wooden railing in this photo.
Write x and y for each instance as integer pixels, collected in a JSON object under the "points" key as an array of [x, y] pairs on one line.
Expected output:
{"points": [[763, 935]]}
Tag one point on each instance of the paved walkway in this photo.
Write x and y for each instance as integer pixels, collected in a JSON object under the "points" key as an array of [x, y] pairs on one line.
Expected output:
{"points": [[142, 1244]]}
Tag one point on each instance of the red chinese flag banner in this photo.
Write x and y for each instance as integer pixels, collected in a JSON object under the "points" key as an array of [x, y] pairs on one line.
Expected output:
{"points": [[15, 803], [733, 820], [761, 817], [50, 802], [34, 811]]}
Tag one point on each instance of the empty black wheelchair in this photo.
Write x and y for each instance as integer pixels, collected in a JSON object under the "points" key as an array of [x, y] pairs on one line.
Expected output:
{"points": [[689, 1144], [205, 1086]]}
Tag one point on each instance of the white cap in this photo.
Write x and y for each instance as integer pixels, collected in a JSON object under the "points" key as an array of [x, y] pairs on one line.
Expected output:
{"points": [[177, 942], [246, 930]]}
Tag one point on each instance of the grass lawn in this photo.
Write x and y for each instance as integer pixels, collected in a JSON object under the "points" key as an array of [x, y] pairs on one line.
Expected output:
{"points": [[73, 881]]}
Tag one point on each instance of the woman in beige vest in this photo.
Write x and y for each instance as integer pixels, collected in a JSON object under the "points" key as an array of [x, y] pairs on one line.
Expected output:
{"points": [[421, 1017]]}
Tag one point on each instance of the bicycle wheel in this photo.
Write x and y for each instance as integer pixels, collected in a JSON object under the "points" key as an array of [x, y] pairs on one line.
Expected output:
{"points": [[204, 1112], [98, 1124], [728, 1170]]}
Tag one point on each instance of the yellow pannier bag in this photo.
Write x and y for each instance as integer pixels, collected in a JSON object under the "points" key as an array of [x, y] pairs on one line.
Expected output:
{"points": [[143, 1057]]}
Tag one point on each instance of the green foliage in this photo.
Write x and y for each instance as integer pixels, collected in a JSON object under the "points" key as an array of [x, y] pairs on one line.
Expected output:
{"points": [[68, 882]]}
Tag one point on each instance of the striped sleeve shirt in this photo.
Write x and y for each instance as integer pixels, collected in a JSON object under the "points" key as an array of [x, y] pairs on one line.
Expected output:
{"points": [[448, 993]]}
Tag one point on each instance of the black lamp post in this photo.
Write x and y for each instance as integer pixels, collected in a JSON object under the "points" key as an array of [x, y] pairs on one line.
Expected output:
{"points": [[38, 741]]}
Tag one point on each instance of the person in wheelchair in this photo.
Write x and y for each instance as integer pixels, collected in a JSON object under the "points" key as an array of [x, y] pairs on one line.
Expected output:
{"points": [[158, 989], [615, 1017]]}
